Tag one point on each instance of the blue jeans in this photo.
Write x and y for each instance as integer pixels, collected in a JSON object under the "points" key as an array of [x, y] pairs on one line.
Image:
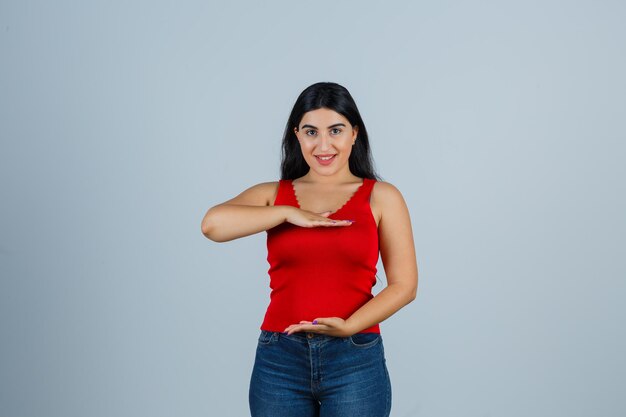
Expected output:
{"points": [[309, 374]]}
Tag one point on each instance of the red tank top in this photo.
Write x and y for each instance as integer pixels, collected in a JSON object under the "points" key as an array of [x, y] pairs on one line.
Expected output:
{"points": [[321, 271]]}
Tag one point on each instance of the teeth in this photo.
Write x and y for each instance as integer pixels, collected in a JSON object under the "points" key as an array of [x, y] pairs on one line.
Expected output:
{"points": [[325, 158]]}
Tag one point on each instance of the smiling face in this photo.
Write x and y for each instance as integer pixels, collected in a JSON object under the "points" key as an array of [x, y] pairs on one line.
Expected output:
{"points": [[326, 133]]}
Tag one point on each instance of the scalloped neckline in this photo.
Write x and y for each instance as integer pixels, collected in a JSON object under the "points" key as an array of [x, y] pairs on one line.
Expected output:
{"points": [[295, 197]]}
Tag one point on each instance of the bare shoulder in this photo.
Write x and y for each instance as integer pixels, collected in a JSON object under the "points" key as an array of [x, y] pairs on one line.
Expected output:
{"points": [[261, 194], [386, 201], [385, 189]]}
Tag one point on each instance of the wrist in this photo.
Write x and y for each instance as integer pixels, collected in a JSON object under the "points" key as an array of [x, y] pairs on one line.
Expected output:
{"points": [[284, 212], [350, 327]]}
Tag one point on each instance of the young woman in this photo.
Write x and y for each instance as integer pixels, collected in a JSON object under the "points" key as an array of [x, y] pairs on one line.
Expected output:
{"points": [[320, 350]]}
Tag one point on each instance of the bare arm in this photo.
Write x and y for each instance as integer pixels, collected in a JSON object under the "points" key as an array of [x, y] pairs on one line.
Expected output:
{"points": [[244, 215], [229, 221], [398, 255], [250, 213]]}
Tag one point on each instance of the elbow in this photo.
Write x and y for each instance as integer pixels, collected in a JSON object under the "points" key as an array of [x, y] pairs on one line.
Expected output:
{"points": [[206, 232], [414, 288], [411, 295], [214, 234], [206, 226], [405, 291], [413, 292], [208, 229], [211, 235]]}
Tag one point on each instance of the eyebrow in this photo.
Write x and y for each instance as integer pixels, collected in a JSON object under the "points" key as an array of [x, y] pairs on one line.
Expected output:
{"points": [[335, 125]]}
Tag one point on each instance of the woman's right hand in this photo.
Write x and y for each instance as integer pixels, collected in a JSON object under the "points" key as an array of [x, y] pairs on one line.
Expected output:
{"points": [[304, 218]]}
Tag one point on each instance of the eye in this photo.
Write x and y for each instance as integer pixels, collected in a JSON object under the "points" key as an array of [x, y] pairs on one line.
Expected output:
{"points": [[338, 130], [310, 130]]}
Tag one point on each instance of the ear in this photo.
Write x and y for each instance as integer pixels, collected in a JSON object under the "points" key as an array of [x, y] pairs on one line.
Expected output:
{"points": [[355, 129]]}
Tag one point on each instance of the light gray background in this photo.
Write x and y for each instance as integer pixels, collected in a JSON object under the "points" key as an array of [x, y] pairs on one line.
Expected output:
{"points": [[122, 122]]}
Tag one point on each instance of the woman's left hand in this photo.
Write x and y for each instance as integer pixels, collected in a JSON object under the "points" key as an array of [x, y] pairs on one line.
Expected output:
{"points": [[332, 326]]}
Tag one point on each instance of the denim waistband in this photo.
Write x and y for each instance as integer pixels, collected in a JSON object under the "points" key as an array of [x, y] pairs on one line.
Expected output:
{"points": [[305, 337]]}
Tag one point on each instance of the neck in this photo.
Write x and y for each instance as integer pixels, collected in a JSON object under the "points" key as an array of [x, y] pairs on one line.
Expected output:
{"points": [[337, 178]]}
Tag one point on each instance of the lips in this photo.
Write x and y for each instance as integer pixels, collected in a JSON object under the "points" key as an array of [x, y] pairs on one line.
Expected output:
{"points": [[325, 161]]}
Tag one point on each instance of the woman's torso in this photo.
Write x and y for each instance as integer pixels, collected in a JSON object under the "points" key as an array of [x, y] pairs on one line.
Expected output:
{"points": [[322, 271]]}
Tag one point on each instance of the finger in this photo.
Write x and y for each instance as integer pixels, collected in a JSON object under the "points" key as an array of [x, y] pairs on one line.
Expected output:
{"points": [[332, 222], [294, 329], [329, 220], [314, 328], [295, 326]]}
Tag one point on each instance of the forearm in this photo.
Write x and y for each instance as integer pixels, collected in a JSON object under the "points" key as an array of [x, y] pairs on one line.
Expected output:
{"points": [[228, 221], [387, 302]]}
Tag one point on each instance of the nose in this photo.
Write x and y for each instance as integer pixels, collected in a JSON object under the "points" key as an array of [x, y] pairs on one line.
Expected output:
{"points": [[325, 141]]}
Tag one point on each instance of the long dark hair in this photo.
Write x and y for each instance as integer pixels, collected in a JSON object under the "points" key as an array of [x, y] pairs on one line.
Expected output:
{"points": [[334, 97]]}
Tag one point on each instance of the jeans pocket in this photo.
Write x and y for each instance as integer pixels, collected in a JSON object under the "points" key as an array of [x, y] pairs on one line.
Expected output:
{"points": [[266, 337], [363, 340]]}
